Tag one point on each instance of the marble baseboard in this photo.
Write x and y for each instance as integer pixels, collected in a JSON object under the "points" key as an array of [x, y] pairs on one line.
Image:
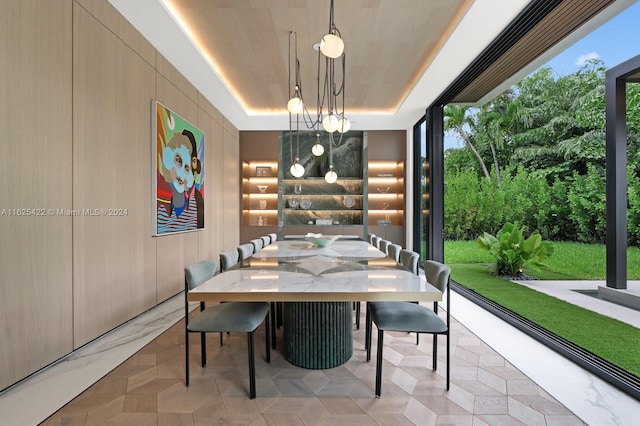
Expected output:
{"points": [[32, 400]]}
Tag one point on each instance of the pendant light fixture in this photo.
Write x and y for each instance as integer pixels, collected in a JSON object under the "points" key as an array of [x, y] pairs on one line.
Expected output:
{"points": [[331, 176], [329, 117], [317, 149], [295, 106]]}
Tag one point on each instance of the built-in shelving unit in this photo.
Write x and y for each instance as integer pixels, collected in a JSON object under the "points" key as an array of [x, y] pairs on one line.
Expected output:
{"points": [[313, 201], [386, 186], [386, 193], [368, 196], [260, 194]]}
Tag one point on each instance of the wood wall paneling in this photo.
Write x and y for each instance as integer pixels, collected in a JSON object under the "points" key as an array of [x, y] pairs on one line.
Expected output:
{"points": [[209, 239], [170, 73], [114, 255], [104, 12], [35, 173], [78, 82], [232, 184]]}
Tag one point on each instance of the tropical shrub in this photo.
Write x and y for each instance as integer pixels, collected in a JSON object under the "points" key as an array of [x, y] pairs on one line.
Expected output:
{"points": [[512, 251]]}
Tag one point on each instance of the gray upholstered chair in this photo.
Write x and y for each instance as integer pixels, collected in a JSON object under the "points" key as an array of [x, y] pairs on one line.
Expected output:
{"points": [[266, 240], [409, 259], [384, 246], [411, 317], [245, 251], [257, 244], [235, 317], [370, 238], [375, 241], [228, 259], [393, 251], [273, 237]]}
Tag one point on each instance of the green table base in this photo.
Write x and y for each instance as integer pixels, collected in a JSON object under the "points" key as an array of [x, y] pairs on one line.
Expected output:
{"points": [[318, 334]]}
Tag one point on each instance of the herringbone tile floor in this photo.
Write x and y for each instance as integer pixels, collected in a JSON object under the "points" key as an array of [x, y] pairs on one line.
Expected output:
{"points": [[148, 389]]}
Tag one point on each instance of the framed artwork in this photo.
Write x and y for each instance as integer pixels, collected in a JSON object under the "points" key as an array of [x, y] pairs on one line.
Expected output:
{"points": [[177, 173], [263, 171]]}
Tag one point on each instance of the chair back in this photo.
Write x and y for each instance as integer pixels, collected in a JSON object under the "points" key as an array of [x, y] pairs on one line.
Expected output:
{"points": [[273, 237], [257, 244], [384, 246], [437, 274], [393, 251], [199, 272], [266, 240], [375, 241], [370, 238], [245, 251], [228, 259], [409, 259]]}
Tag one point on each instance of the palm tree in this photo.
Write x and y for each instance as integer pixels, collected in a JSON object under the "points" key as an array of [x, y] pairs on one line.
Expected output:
{"points": [[459, 119]]}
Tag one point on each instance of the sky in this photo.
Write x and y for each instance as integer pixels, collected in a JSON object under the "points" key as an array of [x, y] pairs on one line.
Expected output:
{"points": [[614, 42]]}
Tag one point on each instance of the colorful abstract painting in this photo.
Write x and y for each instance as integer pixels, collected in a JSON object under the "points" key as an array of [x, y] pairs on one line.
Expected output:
{"points": [[178, 173]]}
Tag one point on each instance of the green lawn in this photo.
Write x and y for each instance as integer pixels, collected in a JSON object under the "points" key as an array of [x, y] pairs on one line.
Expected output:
{"points": [[571, 261], [608, 338]]}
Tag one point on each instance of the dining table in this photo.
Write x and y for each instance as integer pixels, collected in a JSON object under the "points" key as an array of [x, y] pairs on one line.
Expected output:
{"points": [[317, 287]]}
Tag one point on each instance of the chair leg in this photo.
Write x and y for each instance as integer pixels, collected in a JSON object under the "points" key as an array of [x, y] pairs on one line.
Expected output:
{"points": [[435, 352], [252, 366], [358, 315], [273, 325], [417, 338], [203, 349], [367, 334], [279, 322], [221, 339], [267, 354], [186, 364], [448, 359], [379, 364]]}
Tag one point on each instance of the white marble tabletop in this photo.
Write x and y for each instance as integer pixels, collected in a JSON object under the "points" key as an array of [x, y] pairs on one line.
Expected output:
{"points": [[294, 270]]}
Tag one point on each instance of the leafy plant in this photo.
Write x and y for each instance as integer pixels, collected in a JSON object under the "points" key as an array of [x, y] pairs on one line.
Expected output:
{"points": [[512, 251]]}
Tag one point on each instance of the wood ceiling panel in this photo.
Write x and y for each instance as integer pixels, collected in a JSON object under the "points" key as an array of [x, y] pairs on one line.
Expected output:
{"points": [[388, 45]]}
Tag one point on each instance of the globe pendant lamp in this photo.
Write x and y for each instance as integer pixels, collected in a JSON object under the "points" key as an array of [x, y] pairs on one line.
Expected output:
{"points": [[317, 149], [331, 45], [295, 104], [331, 175], [296, 169], [330, 123]]}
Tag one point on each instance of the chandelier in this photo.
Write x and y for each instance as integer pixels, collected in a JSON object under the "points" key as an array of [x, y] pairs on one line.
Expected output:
{"points": [[329, 114]]}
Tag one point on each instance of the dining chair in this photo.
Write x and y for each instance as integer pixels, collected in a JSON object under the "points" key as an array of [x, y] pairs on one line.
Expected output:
{"points": [[235, 317], [228, 259], [375, 241], [245, 251], [257, 244], [266, 240], [393, 251], [409, 259], [273, 237], [413, 318], [384, 246]]}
